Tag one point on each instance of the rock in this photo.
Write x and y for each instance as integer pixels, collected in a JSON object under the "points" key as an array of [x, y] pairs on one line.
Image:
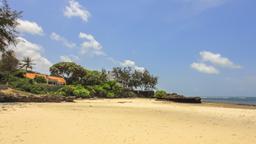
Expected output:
{"points": [[33, 98], [180, 98]]}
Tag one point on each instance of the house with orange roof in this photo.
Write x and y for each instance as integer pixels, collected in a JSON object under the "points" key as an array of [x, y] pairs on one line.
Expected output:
{"points": [[50, 79]]}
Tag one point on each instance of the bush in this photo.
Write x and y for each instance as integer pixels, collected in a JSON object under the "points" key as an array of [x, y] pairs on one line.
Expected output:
{"points": [[110, 89], [38, 89], [71, 90], [100, 91], [81, 92], [66, 90], [127, 94], [160, 94], [19, 73], [40, 79]]}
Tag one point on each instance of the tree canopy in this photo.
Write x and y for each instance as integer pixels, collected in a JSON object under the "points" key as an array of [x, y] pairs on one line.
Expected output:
{"points": [[27, 63], [70, 71], [9, 62], [8, 23], [133, 79]]}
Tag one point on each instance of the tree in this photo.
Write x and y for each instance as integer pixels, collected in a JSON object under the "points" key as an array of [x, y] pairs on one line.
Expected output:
{"points": [[8, 23], [94, 78], [136, 80], [123, 76], [70, 71], [27, 63], [148, 81], [9, 62], [132, 79], [8, 65]]}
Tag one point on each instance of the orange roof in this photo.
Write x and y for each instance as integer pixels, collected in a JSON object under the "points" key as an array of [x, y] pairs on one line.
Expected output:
{"points": [[60, 80], [33, 75]]}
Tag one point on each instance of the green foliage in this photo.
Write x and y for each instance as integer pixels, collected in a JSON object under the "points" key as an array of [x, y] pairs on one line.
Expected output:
{"points": [[73, 90], [40, 79], [19, 73], [8, 23], [132, 79], [108, 89], [160, 94], [127, 94], [8, 62], [81, 92], [72, 72], [94, 78], [29, 85]]}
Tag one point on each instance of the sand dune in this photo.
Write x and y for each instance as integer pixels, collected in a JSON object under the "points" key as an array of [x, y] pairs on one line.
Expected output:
{"points": [[125, 121]]}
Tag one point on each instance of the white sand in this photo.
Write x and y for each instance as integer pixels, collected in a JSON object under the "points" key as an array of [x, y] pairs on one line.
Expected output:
{"points": [[125, 121]]}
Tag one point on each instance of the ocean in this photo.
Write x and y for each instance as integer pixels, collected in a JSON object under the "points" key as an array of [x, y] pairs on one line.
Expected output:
{"points": [[233, 100]]}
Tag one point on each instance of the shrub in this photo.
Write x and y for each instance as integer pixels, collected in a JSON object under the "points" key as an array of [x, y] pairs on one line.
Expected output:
{"points": [[111, 95], [71, 90], [81, 92], [160, 94], [127, 94], [108, 89], [19, 73], [100, 91], [66, 90], [38, 89], [40, 79]]}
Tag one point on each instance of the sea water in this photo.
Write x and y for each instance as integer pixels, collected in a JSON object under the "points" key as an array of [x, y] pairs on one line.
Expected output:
{"points": [[233, 100]]}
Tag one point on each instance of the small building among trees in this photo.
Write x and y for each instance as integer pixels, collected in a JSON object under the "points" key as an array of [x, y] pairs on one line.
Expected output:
{"points": [[49, 79]]}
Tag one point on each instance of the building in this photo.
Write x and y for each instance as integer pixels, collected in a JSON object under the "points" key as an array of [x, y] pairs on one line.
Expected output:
{"points": [[50, 79]]}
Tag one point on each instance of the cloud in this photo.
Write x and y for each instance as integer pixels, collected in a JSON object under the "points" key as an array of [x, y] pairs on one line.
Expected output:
{"points": [[64, 41], [71, 58], [203, 68], [90, 45], [202, 5], [74, 9], [217, 59], [132, 64], [29, 27], [24, 48]]}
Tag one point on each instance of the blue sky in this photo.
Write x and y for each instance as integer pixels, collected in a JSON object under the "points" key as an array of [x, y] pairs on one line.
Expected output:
{"points": [[196, 47]]}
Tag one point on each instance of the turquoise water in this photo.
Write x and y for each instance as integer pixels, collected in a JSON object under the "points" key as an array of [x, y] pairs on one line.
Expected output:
{"points": [[233, 100]]}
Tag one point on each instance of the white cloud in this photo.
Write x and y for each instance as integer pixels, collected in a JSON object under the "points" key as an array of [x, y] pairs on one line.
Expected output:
{"points": [[132, 64], [24, 48], [90, 45], [74, 9], [202, 5], [203, 68], [217, 59], [30, 27], [64, 41], [71, 58]]}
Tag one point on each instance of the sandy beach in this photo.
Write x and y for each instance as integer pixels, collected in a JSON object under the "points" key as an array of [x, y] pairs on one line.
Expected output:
{"points": [[126, 121]]}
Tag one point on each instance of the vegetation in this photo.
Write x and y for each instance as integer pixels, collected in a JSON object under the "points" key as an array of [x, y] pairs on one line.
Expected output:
{"points": [[8, 23], [72, 72], [133, 79], [160, 94], [40, 79], [27, 63]]}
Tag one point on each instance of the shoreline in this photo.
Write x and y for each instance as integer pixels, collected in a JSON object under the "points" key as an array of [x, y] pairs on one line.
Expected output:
{"points": [[204, 103]]}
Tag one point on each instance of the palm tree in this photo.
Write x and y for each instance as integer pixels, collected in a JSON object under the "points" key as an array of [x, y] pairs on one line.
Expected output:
{"points": [[27, 63]]}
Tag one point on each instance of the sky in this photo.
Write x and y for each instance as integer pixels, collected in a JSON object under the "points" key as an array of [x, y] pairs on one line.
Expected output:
{"points": [[196, 47]]}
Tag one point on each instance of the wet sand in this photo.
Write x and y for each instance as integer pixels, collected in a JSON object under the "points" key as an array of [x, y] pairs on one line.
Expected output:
{"points": [[126, 121]]}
